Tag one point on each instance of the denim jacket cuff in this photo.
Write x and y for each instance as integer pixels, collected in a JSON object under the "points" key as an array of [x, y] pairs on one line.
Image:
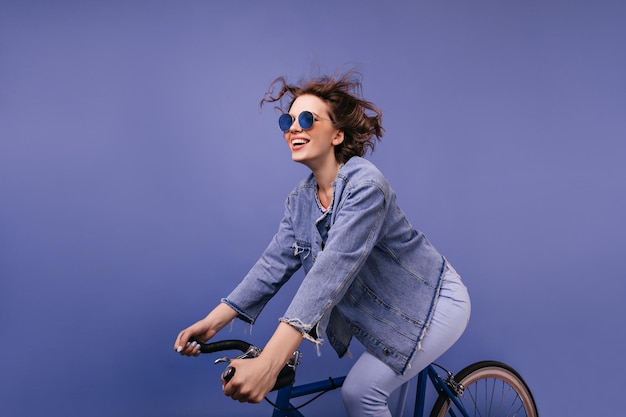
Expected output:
{"points": [[311, 335], [240, 313]]}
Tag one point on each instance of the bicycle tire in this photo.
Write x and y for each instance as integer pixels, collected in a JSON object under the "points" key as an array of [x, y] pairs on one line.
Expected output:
{"points": [[491, 389]]}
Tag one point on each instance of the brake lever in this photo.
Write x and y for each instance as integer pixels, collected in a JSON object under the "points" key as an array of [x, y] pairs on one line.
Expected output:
{"points": [[286, 376]]}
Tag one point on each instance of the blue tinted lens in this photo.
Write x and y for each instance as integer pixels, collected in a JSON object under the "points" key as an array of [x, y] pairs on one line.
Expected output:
{"points": [[285, 121], [306, 119]]}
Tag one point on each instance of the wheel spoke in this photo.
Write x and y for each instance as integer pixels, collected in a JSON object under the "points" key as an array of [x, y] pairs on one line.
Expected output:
{"points": [[491, 397], [492, 389]]}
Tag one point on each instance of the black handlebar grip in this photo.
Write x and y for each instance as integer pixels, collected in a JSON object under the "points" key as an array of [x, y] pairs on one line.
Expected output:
{"points": [[228, 373], [286, 377], [224, 345]]}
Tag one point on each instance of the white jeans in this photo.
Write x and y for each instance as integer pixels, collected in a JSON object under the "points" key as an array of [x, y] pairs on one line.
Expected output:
{"points": [[370, 381]]}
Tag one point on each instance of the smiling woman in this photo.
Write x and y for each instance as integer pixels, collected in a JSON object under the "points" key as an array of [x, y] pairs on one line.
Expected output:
{"points": [[368, 273], [314, 147], [138, 182], [360, 120]]}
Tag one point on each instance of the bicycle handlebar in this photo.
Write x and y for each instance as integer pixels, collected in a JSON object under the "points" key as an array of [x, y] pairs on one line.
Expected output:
{"points": [[286, 376], [225, 345]]}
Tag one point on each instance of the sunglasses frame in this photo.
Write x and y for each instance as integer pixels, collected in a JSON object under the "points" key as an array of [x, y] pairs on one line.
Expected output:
{"points": [[306, 120]]}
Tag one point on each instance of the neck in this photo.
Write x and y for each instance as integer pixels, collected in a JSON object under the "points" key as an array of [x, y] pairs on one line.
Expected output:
{"points": [[325, 179]]}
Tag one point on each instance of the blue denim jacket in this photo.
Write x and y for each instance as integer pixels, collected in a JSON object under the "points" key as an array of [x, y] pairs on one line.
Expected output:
{"points": [[368, 272]]}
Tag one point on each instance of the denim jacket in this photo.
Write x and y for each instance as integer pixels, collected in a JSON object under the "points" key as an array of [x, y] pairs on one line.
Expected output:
{"points": [[368, 272]]}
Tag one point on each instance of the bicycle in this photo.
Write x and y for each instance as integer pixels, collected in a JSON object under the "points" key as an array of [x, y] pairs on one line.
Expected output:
{"points": [[486, 388]]}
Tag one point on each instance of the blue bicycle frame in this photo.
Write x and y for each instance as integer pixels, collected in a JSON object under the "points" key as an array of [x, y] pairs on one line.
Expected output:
{"points": [[286, 394], [441, 387]]}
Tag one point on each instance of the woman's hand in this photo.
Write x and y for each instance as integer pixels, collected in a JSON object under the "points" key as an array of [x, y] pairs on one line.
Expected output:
{"points": [[203, 330], [255, 377], [200, 331], [252, 381]]}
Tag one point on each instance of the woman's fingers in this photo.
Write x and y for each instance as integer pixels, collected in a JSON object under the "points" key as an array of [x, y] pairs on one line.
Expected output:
{"points": [[186, 346], [181, 342], [248, 383]]}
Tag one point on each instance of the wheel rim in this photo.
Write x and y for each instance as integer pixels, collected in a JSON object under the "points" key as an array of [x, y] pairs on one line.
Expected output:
{"points": [[494, 392]]}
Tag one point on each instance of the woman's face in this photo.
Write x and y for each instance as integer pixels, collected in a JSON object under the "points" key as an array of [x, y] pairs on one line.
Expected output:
{"points": [[313, 147]]}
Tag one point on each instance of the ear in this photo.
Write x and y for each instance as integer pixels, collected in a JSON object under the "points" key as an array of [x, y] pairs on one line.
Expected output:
{"points": [[338, 139]]}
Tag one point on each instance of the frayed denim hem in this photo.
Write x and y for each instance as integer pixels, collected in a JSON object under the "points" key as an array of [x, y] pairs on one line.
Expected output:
{"points": [[297, 324]]}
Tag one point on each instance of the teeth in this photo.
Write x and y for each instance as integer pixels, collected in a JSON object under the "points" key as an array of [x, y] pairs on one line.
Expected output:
{"points": [[299, 142]]}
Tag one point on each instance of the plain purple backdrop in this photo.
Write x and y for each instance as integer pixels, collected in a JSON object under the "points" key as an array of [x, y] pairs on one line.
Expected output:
{"points": [[139, 181]]}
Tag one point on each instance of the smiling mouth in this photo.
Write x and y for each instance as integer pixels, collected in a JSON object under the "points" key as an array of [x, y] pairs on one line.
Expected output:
{"points": [[299, 142]]}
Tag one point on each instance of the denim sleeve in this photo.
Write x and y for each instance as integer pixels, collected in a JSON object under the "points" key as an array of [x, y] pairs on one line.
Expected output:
{"points": [[351, 238], [275, 266]]}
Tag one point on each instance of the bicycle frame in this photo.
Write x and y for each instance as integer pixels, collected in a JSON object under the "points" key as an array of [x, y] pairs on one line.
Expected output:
{"points": [[286, 394], [440, 385], [514, 395]]}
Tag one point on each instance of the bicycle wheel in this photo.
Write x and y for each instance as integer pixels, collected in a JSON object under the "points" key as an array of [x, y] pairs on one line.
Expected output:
{"points": [[492, 389]]}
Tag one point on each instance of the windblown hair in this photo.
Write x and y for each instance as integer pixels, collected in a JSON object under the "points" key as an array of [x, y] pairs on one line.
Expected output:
{"points": [[359, 119]]}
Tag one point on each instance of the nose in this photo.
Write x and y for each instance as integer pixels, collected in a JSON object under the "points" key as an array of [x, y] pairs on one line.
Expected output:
{"points": [[295, 126]]}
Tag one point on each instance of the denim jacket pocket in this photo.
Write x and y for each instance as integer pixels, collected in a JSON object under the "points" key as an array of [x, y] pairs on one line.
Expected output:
{"points": [[301, 249]]}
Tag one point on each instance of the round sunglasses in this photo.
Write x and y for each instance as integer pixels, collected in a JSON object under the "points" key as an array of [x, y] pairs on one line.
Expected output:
{"points": [[305, 120]]}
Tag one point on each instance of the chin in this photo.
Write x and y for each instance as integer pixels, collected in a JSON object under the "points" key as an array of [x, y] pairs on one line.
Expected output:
{"points": [[300, 161]]}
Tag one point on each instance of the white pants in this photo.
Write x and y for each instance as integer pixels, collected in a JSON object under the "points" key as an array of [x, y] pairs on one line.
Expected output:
{"points": [[370, 381]]}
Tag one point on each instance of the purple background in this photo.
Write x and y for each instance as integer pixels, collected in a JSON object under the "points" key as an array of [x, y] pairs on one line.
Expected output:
{"points": [[139, 182]]}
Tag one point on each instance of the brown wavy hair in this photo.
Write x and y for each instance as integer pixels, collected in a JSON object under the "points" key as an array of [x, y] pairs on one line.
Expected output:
{"points": [[360, 120]]}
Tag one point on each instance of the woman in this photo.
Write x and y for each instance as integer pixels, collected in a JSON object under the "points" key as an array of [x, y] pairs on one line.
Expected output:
{"points": [[368, 273]]}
